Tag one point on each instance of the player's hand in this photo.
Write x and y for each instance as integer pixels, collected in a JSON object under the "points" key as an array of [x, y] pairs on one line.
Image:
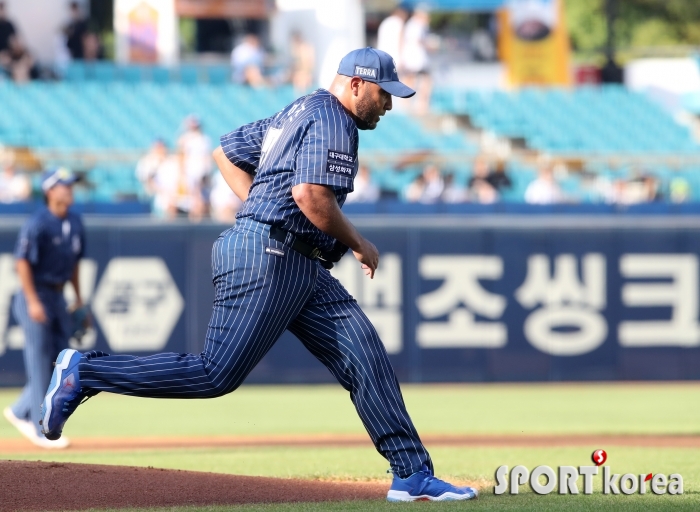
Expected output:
{"points": [[368, 255], [36, 311]]}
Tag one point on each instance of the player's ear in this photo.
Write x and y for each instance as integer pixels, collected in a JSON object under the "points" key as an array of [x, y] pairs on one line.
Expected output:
{"points": [[355, 84]]}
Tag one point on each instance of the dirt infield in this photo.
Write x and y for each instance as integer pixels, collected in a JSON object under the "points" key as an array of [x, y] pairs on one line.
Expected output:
{"points": [[11, 446], [43, 486]]}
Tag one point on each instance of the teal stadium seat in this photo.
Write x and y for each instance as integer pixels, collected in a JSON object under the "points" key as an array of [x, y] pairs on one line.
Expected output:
{"points": [[102, 72], [188, 74], [161, 75], [103, 107], [132, 74], [218, 75], [600, 120], [75, 72]]}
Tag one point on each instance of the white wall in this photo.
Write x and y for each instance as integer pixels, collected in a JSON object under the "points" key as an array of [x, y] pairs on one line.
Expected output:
{"points": [[333, 27], [676, 76], [40, 23]]}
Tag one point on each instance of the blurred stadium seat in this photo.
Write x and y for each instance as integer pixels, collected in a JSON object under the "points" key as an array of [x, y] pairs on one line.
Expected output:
{"points": [[104, 107], [592, 120], [120, 109], [121, 115]]}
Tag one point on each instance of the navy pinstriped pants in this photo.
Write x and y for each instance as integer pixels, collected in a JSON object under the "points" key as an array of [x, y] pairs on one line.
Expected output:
{"points": [[42, 343], [258, 296]]}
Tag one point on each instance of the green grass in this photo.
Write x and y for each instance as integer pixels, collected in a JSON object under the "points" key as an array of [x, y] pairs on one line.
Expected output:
{"points": [[364, 463], [473, 409], [525, 503]]}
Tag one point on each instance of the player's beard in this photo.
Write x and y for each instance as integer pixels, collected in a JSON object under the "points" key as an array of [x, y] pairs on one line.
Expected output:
{"points": [[367, 113]]}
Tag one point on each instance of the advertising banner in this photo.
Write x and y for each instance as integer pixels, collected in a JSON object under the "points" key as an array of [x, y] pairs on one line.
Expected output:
{"points": [[534, 42], [145, 31], [455, 299]]}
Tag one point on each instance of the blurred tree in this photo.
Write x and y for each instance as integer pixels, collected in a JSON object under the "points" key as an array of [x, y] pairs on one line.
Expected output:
{"points": [[640, 23]]}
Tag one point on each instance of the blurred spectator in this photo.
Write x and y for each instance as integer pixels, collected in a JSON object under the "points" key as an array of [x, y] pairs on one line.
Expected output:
{"points": [[482, 45], [75, 32], [247, 61], [414, 58], [499, 179], [544, 189], [642, 188], [365, 190], [14, 187], [454, 193], [651, 189], [61, 55], [92, 47], [414, 192], [196, 148], [390, 35], [303, 63], [224, 203], [679, 190], [147, 167], [174, 193], [428, 187], [434, 185], [18, 62], [7, 29], [481, 190]]}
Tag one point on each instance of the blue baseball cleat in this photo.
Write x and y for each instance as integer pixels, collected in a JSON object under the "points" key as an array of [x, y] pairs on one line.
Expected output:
{"points": [[423, 486], [63, 396]]}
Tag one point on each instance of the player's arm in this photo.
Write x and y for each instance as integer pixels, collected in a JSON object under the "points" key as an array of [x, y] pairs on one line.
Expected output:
{"points": [[319, 205], [26, 280], [75, 282], [238, 156], [236, 178]]}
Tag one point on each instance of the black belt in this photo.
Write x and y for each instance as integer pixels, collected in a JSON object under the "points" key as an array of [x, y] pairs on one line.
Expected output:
{"points": [[326, 258], [52, 287]]}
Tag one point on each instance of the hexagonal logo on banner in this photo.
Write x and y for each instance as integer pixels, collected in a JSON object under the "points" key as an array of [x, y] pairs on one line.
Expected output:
{"points": [[137, 304]]}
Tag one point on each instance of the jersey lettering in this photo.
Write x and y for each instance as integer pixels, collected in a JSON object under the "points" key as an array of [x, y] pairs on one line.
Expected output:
{"points": [[271, 138], [340, 157], [340, 163], [339, 169]]}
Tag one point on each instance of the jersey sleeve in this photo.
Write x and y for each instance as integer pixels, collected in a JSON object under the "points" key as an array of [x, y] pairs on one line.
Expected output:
{"points": [[327, 155], [243, 145], [27, 247]]}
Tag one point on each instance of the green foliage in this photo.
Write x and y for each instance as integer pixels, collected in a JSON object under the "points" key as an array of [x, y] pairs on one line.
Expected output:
{"points": [[586, 24], [640, 23], [188, 34]]}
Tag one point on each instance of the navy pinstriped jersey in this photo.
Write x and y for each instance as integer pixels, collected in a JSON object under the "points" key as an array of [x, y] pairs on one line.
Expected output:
{"points": [[313, 140], [51, 245]]}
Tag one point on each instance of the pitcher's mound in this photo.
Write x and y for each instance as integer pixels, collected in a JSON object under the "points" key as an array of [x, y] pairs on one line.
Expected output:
{"points": [[41, 486]]}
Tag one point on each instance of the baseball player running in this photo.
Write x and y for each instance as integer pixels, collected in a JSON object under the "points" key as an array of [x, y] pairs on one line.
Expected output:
{"points": [[48, 252], [270, 271]]}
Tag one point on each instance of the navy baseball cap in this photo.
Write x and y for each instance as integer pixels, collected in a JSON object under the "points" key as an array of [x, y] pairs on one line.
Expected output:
{"points": [[376, 66], [58, 176]]}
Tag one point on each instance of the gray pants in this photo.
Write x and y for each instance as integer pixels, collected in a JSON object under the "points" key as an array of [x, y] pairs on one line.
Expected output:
{"points": [[42, 344]]}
